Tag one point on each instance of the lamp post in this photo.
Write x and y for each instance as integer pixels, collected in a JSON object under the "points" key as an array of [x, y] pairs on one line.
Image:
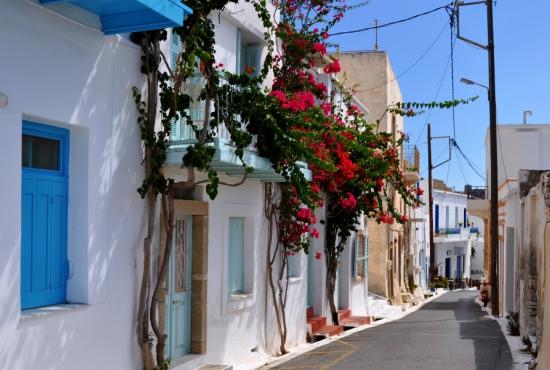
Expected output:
{"points": [[491, 89]]}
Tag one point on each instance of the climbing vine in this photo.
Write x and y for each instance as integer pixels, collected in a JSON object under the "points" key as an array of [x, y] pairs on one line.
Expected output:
{"points": [[292, 117]]}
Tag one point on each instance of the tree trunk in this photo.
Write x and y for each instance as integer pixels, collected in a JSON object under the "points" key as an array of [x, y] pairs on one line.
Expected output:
{"points": [[331, 262]]}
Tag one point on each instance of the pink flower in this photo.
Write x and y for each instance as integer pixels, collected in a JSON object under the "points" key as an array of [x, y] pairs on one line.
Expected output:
{"points": [[325, 35], [327, 108], [315, 233], [279, 95]]}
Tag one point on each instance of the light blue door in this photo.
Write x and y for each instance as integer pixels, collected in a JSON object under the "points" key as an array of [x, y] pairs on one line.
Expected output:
{"points": [[458, 267], [178, 300], [44, 189], [236, 255]]}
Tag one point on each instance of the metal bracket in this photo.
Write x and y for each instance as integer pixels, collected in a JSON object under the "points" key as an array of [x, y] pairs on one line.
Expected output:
{"points": [[459, 4]]}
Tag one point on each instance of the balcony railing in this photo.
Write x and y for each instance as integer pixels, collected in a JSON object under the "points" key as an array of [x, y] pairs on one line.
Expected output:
{"points": [[457, 231], [410, 158]]}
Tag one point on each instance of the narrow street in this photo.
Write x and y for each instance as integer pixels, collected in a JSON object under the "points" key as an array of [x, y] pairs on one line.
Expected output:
{"points": [[448, 333]]}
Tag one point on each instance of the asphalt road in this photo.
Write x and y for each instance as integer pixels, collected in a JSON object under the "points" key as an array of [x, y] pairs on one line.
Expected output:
{"points": [[449, 333]]}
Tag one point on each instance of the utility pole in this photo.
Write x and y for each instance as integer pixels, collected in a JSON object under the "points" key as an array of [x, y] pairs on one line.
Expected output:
{"points": [[494, 165], [493, 224], [431, 206]]}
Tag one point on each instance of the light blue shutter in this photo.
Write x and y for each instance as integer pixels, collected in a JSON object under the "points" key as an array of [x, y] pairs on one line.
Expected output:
{"points": [[236, 255], [366, 267], [175, 47]]}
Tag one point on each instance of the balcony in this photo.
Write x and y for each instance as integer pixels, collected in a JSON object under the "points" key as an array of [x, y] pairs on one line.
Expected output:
{"points": [[410, 163], [122, 16], [225, 160], [455, 233]]}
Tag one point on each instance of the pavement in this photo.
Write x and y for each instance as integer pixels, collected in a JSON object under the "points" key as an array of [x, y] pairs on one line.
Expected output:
{"points": [[449, 333]]}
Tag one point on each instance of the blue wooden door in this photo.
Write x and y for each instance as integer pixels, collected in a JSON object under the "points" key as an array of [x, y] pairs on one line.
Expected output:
{"points": [[236, 255], [178, 302], [436, 218], [178, 306], [44, 202], [448, 267], [458, 267]]}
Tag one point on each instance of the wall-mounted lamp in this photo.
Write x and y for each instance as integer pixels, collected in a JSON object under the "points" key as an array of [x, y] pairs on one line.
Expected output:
{"points": [[3, 100]]}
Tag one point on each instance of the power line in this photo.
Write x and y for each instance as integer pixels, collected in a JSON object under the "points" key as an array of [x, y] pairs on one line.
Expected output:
{"points": [[502, 158], [435, 97], [412, 66], [452, 25], [394, 22], [469, 162]]}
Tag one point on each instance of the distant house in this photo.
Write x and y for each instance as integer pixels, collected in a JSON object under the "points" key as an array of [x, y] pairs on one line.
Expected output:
{"points": [[458, 236]]}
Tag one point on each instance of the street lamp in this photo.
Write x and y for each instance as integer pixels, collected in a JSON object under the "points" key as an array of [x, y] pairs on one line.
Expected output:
{"points": [[466, 81]]}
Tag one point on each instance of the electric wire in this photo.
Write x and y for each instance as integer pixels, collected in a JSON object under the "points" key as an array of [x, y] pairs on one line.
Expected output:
{"points": [[469, 162], [502, 159], [450, 5], [435, 97], [412, 66], [452, 26]]}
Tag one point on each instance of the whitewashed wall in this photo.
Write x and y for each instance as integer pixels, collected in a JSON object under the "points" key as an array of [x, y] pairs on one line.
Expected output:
{"points": [[58, 72]]}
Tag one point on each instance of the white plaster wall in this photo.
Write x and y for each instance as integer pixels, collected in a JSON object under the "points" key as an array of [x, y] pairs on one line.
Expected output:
{"points": [[452, 200], [525, 147], [58, 72]]}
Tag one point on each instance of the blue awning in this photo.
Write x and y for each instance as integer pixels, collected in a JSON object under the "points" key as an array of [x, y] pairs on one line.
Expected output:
{"points": [[124, 16]]}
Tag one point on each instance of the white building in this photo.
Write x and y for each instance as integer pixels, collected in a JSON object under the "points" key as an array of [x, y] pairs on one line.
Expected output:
{"points": [[519, 147], [458, 236], [71, 220]]}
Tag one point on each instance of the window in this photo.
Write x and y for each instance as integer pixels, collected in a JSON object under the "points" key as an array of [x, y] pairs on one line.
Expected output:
{"points": [[193, 86], [436, 218], [236, 255], [44, 203], [249, 54], [362, 255]]}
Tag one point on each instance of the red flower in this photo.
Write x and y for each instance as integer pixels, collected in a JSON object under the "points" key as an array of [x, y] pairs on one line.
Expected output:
{"points": [[317, 255], [327, 108], [320, 48], [303, 214], [349, 203], [325, 35], [419, 191], [404, 218], [333, 67], [315, 233], [379, 184], [279, 95]]}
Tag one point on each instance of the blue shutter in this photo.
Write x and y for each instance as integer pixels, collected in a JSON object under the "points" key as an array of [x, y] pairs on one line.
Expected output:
{"points": [[465, 219], [44, 215], [236, 255], [436, 218], [175, 47]]}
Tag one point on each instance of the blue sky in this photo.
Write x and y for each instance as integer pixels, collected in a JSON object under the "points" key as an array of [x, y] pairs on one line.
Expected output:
{"points": [[522, 41]]}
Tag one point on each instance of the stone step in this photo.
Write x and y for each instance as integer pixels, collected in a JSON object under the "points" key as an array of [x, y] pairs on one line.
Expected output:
{"points": [[343, 314], [329, 331], [316, 323], [216, 367], [355, 321]]}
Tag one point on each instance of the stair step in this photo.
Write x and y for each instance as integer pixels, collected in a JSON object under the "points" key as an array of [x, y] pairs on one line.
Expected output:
{"points": [[329, 330], [216, 367], [309, 312], [344, 314], [317, 322], [355, 321]]}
